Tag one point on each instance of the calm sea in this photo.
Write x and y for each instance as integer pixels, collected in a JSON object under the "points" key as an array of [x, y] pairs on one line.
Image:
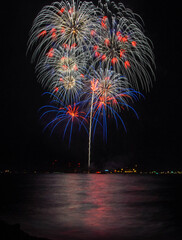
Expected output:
{"points": [[94, 206]]}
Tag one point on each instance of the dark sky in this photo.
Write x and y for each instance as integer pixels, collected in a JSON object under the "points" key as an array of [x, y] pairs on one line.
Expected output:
{"points": [[153, 141]]}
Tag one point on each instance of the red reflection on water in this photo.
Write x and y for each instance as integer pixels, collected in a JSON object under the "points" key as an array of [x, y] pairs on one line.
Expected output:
{"points": [[99, 215]]}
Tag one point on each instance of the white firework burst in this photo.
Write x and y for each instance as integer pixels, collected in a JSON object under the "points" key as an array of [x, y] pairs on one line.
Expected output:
{"points": [[62, 73], [123, 46], [66, 24]]}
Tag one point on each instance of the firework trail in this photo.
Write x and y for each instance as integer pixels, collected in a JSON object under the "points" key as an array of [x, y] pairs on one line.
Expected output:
{"points": [[109, 95]]}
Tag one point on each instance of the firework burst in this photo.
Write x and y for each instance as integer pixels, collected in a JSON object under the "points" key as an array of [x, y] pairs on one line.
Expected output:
{"points": [[67, 24], [62, 73], [66, 116], [123, 46], [109, 95]]}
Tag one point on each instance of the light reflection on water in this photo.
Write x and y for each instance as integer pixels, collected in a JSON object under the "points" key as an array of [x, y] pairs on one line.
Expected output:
{"points": [[92, 206]]}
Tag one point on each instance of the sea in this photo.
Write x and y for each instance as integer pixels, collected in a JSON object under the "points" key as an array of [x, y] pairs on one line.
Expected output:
{"points": [[93, 206]]}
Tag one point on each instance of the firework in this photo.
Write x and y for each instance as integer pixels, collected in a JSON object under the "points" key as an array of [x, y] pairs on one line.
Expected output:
{"points": [[63, 115], [93, 60], [123, 46], [62, 73], [108, 95], [67, 24]]}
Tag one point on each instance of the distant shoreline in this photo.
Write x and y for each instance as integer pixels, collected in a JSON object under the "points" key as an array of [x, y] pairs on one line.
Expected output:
{"points": [[76, 171]]}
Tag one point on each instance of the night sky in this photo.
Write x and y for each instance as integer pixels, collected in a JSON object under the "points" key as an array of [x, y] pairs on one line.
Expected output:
{"points": [[153, 141]]}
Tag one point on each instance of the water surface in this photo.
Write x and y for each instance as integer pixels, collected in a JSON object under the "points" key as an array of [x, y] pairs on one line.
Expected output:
{"points": [[93, 206]]}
